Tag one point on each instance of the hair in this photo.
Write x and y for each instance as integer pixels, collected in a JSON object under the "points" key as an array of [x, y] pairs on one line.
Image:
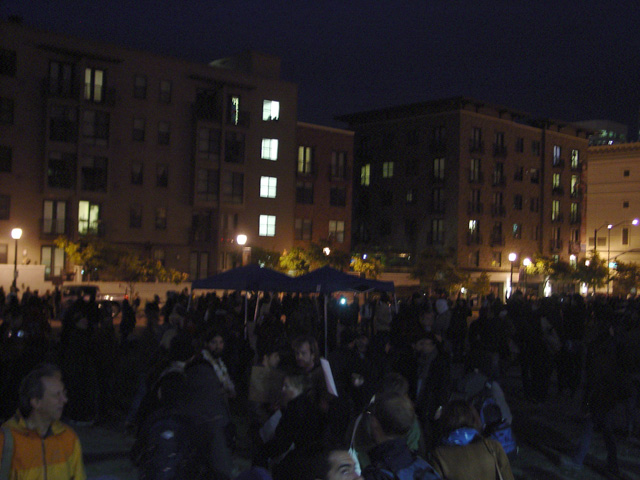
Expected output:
{"points": [[32, 387], [313, 345], [394, 412], [458, 414], [394, 382], [318, 466]]}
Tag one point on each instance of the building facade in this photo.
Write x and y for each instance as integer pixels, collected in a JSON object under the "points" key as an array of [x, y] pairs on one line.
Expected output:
{"points": [[459, 175], [323, 186], [613, 199], [164, 156]]}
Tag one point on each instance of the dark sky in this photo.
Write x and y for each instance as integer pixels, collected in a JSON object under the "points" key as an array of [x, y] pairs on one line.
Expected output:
{"points": [[569, 60]]}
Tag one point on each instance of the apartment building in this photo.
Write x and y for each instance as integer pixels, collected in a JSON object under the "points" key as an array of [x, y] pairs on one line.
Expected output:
{"points": [[613, 200], [323, 186], [164, 156], [465, 176]]}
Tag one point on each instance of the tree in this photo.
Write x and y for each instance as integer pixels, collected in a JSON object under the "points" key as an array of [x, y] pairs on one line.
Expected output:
{"points": [[370, 267], [439, 270], [481, 285], [295, 261], [592, 271], [265, 258], [550, 269], [627, 278]]}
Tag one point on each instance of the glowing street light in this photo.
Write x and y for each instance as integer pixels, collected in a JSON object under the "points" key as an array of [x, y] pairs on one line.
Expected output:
{"points": [[326, 251], [241, 239], [525, 263], [16, 234], [512, 258]]}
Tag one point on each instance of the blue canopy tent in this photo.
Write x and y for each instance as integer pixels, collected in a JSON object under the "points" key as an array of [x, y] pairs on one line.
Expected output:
{"points": [[328, 280]]}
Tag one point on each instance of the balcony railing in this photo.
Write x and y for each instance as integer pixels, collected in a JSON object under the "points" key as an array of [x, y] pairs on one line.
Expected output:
{"points": [[574, 219], [576, 167]]}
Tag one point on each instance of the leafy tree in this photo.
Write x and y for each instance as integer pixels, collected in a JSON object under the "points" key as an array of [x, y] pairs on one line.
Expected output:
{"points": [[627, 278], [265, 258], [550, 269], [370, 267], [439, 270], [295, 261], [481, 285], [593, 272]]}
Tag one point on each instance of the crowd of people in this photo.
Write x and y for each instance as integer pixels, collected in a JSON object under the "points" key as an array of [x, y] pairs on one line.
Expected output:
{"points": [[381, 402]]}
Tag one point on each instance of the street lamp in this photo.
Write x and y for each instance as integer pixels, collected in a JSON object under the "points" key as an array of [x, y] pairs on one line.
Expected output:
{"points": [[526, 262], [246, 251], [512, 258], [609, 228], [16, 234]]}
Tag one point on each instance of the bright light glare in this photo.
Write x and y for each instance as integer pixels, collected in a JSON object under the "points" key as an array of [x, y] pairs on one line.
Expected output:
{"points": [[635, 221], [241, 239], [512, 257], [526, 262], [16, 233], [326, 250]]}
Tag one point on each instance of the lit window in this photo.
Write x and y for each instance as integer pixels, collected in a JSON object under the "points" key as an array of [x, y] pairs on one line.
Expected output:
{"points": [[267, 226], [574, 185], [365, 175], [336, 230], [54, 217], [268, 187], [555, 210], [88, 217], [305, 160], [517, 230], [575, 158], [556, 180], [473, 226], [557, 153], [94, 85], [270, 110], [233, 110], [387, 170], [53, 260], [270, 148], [438, 168]]}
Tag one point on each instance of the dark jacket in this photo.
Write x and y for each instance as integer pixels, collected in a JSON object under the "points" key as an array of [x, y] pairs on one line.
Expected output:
{"points": [[391, 456]]}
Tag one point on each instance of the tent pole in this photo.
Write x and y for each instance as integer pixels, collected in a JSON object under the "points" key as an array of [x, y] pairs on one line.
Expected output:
{"points": [[326, 329]]}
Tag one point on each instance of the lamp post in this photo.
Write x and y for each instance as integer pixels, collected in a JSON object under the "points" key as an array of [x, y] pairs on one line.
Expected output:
{"points": [[246, 251], [634, 222], [16, 234], [512, 258], [526, 262]]}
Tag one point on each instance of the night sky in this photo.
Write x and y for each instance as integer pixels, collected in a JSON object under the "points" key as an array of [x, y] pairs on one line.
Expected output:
{"points": [[568, 60]]}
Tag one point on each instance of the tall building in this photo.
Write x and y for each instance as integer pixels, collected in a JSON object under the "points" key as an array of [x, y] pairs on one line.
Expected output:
{"points": [[605, 132], [164, 156], [613, 199], [465, 176], [323, 186]]}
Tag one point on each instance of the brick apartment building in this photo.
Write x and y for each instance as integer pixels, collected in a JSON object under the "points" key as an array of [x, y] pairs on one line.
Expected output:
{"points": [[461, 174], [171, 158]]}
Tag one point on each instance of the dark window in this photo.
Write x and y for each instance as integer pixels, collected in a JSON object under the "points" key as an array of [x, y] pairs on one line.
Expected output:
{"points": [[6, 159], [5, 207], [520, 145], [234, 147], [517, 202], [7, 62], [209, 143], [338, 165], [140, 86], [61, 76], [386, 198], [138, 129], [338, 196], [135, 216], [137, 173], [63, 124], [207, 185], [6, 110], [165, 91], [164, 133], [61, 170], [518, 174], [625, 204], [233, 187], [626, 173], [93, 174], [534, 175], [304, 193], [162, 175], [535, 147], [625, 236], [161, 218], [303, 228], [202, 226], [95, 127], [410, 227]]}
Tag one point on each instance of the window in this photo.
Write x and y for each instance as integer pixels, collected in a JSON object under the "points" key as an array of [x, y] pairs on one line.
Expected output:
{"points": [[6, 159], [61, 170], [338, 165], [202, 226], [63, 124], [474, 259], [411, 167], [557, 154], [138, 129], [93, 174], [7, 62], [338, 197], [535, 147], [52, 258], [575, 184], [476, 138], [305, 160], [336, 230], [555, 210], [269, 148], [303, 228], [165, 91], [498, 174], [517, 202], [438, 168], [574, 212], [411, 198], [626, 173], [497, 208], [475, 172], [387, 169], [161, 218], [304, 193], [162, 175], [365, 175], [94, 82], [575, 159], [556, 239], [5, 207], [475, 206], [267, 226], [209, 142], [437, 231], [534, 204], [520, 145], [164, 133], [437, 200], [625, 204], [233, 110], [268, 187], [234, 147], [496, 259], [517, 230], [95, 127], [496, 234], [518, 174], [439, 135], [233, 187], [555, 181], [536, 233], [6, 110], [136, 173], [413, 137], [473, 227], [198, 265], [625, 236], [135, 216], [499, 147], [270, 110], [140, 86], [207, 185], [88, 218], [61, 79], [575, 236], [534, 174]]}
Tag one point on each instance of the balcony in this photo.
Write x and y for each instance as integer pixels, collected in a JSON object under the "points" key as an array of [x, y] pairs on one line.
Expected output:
{"points": [[475, 207], [499, 150], [557, 191], [555, 244], [476, 177], [242, 120], [474, 238], [498, 210], [476, 146], [52, 88], [557, 163], [496, 239]]}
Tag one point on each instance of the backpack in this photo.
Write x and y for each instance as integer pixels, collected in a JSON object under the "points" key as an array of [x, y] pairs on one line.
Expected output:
{"points": [[170, 450], [418, 470], [493, 424]]}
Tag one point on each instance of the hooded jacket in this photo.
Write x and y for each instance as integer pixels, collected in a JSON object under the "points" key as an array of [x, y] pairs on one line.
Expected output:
{"points": [[57, 455]]}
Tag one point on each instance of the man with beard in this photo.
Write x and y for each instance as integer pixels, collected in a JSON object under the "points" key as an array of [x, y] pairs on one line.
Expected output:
{"points": [[214, 347]]}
